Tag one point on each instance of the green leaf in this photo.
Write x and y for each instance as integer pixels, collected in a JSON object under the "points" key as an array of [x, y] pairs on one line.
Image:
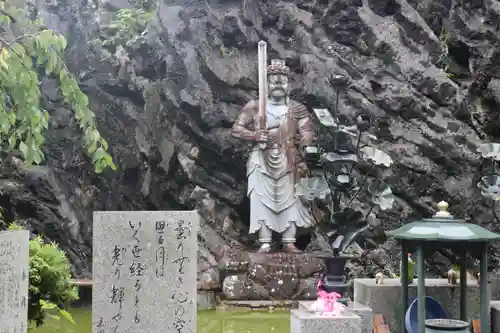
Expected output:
{"points": [[99, 167], [12, 117], [104, 144], [67, 316], [62, 42], [24, 149], [51, 63], [47, 305], [44, 38], [92, 148], [4, 122], [12, 142], [39, 139], [37, 157]]}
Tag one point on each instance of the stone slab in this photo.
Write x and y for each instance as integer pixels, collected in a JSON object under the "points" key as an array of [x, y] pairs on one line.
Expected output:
{"points": [[205, 300], [363, 311], [385, 299], [307, 322], [144, 272], [14, 281]]}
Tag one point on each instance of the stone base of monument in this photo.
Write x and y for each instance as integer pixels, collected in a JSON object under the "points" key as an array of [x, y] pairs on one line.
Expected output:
{"points": [[303, 321], [273, 276], [363, 311], [385, 299], [225, 305]]}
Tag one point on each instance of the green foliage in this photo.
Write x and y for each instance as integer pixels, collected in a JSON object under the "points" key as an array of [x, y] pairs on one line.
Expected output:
{"points": [[50, 287], [128, 28], [444, 60], [49, 308], [28, 52], [225, 52]]}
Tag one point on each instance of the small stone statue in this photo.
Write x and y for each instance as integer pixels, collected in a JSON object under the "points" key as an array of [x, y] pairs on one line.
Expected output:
{"points": [[452, 276], [275, 162], [379, 278]]}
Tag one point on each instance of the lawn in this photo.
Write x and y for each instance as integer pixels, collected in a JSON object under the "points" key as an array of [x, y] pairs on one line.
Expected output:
{"points": [[208, 322]]}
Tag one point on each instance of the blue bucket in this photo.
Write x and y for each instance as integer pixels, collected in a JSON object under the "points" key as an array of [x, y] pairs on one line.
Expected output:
{"points": [[433, 310]]}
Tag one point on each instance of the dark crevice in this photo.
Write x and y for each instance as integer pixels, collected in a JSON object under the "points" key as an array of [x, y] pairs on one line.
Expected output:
{"points": [[243, 211], [6, 205], [193, 113], [460, 53], [123, 92], [303, 240], [154, 71]]}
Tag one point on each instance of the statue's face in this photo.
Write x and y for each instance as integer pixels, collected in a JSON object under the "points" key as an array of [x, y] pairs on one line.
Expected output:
{"points": [[278, 86]]}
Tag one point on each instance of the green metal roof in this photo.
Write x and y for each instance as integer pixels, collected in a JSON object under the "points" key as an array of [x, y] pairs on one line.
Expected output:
{"points": [[443, 227]]}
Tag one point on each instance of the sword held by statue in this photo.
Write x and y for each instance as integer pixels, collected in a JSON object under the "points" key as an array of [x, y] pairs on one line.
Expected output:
{"points": [[262, 63]]}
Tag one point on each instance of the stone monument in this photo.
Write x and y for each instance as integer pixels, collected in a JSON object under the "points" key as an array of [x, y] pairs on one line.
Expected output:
{"points": [[14, 270], [272, 125], [144, 271]]}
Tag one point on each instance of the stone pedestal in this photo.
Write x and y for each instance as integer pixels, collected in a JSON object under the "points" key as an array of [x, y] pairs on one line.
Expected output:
{"points": [[302, 321], [272, 276], [363, 311], [385, 299]]}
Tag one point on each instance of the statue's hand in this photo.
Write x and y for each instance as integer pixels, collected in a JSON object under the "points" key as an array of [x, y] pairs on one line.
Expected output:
{"points": [[262, 136]]}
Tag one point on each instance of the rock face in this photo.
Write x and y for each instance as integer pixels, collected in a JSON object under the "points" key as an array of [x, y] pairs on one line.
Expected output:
{"points": [[428, 71]]}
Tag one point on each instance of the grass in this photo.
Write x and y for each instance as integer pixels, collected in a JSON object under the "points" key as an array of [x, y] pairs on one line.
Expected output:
{"points": [[208, 322]]}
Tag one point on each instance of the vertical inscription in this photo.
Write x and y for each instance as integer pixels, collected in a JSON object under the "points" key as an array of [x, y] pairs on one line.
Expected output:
{"points": [[182, 232], [14, 267], [160, 249], [137, 267], [117, 296], [144, 271]]}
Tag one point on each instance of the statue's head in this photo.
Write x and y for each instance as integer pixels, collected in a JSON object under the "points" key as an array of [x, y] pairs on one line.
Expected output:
{"points": [[277, 78]]}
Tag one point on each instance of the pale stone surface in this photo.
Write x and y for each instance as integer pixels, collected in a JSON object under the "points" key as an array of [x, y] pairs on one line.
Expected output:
{"points": [[206, 300], [495, 316], [366, 314], [363, 311], [14, 270], [385, 299], [144, 269], [307, 322]]}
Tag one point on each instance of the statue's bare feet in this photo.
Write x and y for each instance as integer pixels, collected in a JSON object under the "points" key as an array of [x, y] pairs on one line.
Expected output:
{"points": [[265, 248], [290, 248]]}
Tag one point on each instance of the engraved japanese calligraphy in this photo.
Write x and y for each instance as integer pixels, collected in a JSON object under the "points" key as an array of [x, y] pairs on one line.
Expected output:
{"points": [[160, 250], [136, 268], [14, 268], [182, 234], [144, 268]]}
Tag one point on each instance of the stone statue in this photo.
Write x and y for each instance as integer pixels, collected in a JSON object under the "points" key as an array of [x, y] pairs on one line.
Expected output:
{"points": [[275, 163]]}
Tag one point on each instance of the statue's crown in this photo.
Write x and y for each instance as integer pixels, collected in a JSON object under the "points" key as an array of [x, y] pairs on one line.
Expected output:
{"points": [[278, 67]]}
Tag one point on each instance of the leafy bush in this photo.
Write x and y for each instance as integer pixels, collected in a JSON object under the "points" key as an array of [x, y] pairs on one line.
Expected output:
{"points": [[49, 280], [29, 54], [128, 28]]}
